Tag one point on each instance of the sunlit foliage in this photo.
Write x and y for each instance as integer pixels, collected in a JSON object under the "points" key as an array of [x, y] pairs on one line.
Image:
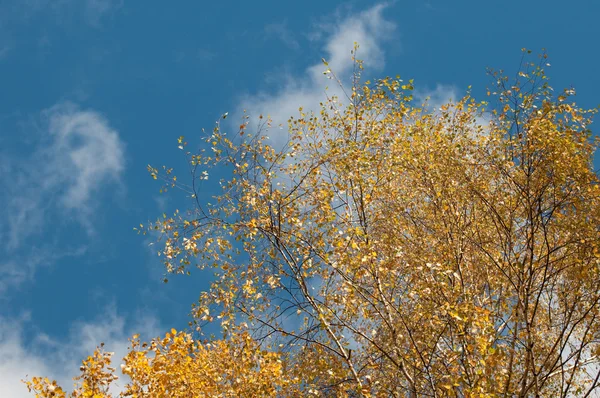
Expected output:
{"points": [[388, 249]]}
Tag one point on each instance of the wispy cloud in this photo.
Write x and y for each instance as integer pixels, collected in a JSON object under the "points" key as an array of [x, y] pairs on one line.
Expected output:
{"points": [[86, 153], [205, 55], [24, 355], [280, 31], [15, 14], [28, 15], [78, 156], [18, 268], [4, 50], [367, 28], [96, 10]]}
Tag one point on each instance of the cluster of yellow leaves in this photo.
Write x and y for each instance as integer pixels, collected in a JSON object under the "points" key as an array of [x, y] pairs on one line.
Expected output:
{"points": [[179, 366], [93, 382]]}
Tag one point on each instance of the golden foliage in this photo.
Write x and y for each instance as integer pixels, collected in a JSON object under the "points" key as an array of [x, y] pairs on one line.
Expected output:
{"points": [[391, 250], [179, 366]]}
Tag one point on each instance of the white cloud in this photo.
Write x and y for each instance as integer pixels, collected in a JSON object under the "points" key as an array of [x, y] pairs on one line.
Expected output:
{"points": [[368, 28], [76, 158], [86, 153], [16, 362], [60, 360]]}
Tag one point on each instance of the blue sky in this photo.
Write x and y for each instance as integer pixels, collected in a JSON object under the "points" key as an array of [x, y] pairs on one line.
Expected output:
{"points": [[94, 90]]}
